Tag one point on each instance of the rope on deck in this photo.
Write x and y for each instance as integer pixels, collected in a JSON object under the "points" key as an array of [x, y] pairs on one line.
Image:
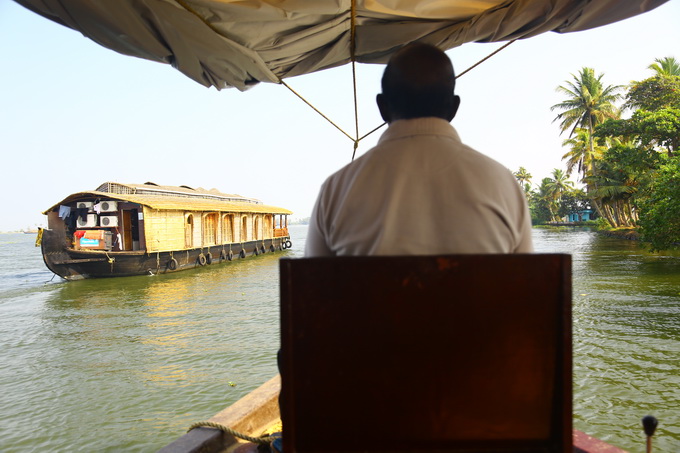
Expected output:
{"points": [[264, 440]]}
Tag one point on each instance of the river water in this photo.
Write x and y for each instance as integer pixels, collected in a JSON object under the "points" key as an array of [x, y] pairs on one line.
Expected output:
{"points": [[127, 364]]}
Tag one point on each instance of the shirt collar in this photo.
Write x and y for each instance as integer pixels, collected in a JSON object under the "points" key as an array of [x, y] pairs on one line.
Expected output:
{"points": [[419, 126]]}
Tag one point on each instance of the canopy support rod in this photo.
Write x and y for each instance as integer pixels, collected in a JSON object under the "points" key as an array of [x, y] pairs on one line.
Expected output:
{"points": [[369, 133], [357, 139], [352, 50], [315, 109], [486, 58], [459, 75]]}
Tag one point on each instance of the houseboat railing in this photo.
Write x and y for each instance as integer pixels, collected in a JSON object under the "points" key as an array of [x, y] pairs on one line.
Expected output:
{"points": [[280, 232]]}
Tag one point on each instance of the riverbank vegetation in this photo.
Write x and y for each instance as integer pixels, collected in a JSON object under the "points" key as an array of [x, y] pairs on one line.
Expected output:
{"points": [[622, 146]]}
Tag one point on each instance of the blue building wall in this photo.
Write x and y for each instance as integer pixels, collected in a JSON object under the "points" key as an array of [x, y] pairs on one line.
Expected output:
{"points": [[581, 216]]}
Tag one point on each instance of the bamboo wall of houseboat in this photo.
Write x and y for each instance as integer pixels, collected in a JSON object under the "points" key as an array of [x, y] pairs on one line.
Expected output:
{"points": [[164, 230], [179, 230]]}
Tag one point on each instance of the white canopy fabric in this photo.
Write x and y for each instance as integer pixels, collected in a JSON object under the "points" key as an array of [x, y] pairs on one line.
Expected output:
{"points": [[238, 43]]}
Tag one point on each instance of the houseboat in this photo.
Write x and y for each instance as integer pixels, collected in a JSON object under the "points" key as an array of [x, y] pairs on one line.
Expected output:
{"points": [[136, 229]]}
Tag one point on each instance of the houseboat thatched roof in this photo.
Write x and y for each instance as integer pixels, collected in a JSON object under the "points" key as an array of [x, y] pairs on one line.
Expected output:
{"points": [[173, 198]]}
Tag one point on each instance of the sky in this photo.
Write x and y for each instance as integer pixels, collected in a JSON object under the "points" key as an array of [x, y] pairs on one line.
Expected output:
{"points": [[74, 114]]}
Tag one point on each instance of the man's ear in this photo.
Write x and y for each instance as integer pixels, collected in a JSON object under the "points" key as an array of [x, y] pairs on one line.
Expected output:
{"points": [[383, 107], [454, 107]]}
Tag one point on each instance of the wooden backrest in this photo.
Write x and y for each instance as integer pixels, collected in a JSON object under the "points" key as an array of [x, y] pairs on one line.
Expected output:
{"points": [[464, 353]]}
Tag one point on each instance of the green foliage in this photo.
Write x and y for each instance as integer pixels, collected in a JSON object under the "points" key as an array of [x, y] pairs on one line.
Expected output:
{"points": [[629, 166], [546, 204], [618, 173], [632, 163], [659, 129], [573, 202], [540, 214], [654, 93], [602, 224], [660, 209]]}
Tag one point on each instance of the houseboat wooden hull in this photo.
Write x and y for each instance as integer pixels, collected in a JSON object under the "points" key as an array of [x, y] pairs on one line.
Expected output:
{"points": [[72, 264], [257, 412], [141, 229]]}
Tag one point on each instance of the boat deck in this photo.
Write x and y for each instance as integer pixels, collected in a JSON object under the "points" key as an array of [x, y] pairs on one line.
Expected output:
{"points": [[257, 414]]}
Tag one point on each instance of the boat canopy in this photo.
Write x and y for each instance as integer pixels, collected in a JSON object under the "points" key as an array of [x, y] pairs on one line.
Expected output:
{"points": [[151, 188], [238, 43], [171, 198]]}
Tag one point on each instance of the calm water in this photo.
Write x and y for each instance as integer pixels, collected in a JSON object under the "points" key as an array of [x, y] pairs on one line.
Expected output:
{"points": [[127, 364]]}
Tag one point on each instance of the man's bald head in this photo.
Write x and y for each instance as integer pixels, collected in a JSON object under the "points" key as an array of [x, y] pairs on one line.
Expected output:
{"points": [[418, 82]]}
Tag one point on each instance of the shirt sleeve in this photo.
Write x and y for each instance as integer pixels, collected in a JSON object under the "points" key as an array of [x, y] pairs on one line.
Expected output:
{"points": [[316, 244]]}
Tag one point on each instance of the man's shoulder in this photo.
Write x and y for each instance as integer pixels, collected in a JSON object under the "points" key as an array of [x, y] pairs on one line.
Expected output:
{"points": [[407, 143]]}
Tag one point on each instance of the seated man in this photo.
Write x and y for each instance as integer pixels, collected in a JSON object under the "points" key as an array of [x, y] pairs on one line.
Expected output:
{"points": [[420, 191]]}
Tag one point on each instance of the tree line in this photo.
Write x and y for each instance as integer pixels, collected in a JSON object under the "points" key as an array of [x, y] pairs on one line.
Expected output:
{"points": [[628, 164]]}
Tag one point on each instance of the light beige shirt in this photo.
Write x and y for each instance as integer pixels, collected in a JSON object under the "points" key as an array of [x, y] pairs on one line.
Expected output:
{"points": [[420, 191]]}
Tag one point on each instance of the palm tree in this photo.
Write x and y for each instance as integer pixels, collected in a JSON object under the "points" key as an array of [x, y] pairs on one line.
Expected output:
{"points": [[615, 189], [588, 104], [579, 155], [544, 199], [559, 184], [523, 176], [552, 190], [667, 66]]}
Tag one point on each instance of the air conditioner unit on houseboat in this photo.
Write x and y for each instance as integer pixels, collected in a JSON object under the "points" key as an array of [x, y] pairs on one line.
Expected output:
{"points": [[108, 221], [89, 222], [108, 206], [84, 204]]}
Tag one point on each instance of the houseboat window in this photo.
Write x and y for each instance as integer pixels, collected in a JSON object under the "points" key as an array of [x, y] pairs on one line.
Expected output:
{"points": [[244, 229], [189, 231], [210, 229], [228, 228], [256, 228]]}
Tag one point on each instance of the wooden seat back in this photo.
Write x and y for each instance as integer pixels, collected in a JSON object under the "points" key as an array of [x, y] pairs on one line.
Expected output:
{"points": [[461, 353]]}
